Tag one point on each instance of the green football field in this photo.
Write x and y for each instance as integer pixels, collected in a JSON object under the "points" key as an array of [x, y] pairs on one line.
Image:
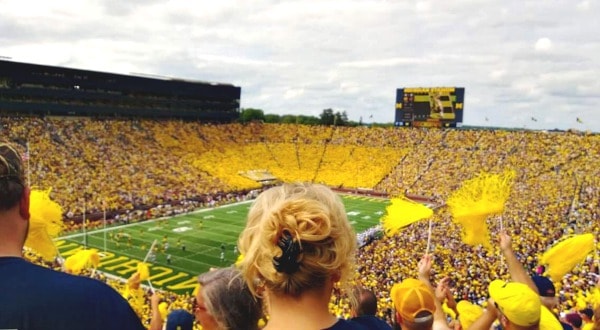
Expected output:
{"points": [[195, 241]]}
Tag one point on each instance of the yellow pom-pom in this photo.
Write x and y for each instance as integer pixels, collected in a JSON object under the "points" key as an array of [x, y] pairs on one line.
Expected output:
{"points": [[563, 256], [401, 213], [81, 260], [475, 200], [45, 224], [143, 270], [163, 310]]}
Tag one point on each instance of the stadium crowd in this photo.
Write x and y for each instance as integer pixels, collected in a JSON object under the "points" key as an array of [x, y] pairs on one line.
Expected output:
{"points": [[173, 166]]}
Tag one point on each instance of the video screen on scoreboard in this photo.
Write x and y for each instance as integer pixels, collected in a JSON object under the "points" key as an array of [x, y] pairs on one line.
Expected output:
{"points": [[430, 106]]}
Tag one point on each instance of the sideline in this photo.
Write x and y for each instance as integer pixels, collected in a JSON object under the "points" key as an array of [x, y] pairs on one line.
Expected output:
{"points": [[115, 227]]}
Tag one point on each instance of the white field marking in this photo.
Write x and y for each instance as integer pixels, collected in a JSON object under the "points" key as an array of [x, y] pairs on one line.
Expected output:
{"points": [[181, 229]]}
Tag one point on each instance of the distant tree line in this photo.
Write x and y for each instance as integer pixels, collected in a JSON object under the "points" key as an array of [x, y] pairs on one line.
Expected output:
{"points": [[327, 117]]}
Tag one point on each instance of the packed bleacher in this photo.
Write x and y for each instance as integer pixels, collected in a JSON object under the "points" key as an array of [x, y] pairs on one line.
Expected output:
{"points": [[131, 166]]}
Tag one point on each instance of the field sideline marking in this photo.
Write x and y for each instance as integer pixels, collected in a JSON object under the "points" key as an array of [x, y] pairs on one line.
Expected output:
{"points": [[101, 230]]}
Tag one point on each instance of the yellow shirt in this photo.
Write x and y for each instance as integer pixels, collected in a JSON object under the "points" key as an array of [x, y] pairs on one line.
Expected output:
{"points": [[588, 326]]}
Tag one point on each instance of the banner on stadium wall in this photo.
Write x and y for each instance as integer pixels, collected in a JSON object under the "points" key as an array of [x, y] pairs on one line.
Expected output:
{"points": [[429, 106]]}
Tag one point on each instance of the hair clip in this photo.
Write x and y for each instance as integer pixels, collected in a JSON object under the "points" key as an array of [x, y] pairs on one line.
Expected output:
{"points": [[288, 262]]}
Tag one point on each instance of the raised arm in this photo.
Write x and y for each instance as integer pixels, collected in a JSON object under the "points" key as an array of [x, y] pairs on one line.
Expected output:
{"points": [[485, 321], [424, 273], [515, 268], [156, 323]]}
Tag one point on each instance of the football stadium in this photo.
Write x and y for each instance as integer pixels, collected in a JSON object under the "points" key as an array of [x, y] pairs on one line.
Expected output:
{"points": [[157, 176]]}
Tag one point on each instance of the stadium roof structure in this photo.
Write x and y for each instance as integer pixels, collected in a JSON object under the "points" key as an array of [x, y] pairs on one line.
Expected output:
{"points": [[53, 90]]}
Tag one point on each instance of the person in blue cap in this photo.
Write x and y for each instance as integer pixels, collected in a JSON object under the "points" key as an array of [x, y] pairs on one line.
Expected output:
{"points": [[180, 319]]}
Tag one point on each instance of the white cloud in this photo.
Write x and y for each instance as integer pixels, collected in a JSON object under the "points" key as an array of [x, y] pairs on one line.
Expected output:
{"points": [[583, 5], [528, 88], [543, 44], [423, 6], [293, 93], [385, 62], [497, 74]]}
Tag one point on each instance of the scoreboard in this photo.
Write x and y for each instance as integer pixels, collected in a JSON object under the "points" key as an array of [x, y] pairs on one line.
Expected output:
{"points": [[429, 106]]}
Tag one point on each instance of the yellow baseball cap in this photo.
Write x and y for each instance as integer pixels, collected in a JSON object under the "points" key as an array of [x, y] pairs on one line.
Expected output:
{"points": [[519, 303], [548, 321], [411, 297], [468, 313]]}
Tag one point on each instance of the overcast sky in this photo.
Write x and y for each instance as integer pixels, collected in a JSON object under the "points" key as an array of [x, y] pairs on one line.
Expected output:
{"points": [[517, 59]]}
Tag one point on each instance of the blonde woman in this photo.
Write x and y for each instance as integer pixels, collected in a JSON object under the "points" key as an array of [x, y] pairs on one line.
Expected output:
{"points": [[297, 245]]}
